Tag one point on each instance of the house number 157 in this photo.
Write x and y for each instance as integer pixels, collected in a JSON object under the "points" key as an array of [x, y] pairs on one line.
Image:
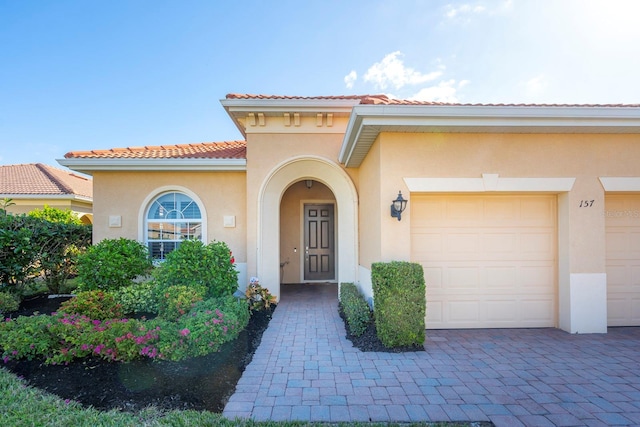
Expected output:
{"points": [[586, 203]]}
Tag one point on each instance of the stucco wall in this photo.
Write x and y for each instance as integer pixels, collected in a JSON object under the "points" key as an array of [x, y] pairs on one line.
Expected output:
{"points": [[123, 194], [370, 209], [265, 152]]}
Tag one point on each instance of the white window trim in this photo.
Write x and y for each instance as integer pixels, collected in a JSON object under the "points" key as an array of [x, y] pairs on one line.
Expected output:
{"points": [[144, 209]]}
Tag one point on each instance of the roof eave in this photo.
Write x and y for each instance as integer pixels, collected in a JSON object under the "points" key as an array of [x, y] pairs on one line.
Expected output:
{"points": [[368, 121], [90, 165], [237, 108], [23, 196]]}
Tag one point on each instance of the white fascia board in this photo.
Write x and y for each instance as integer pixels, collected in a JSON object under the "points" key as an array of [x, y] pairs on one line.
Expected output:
{"points": [[464, 118], [90, 165], [46, 196], [287, 105]]}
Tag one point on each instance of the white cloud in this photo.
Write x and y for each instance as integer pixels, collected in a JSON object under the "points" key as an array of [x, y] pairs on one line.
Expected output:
{"points": [[464, 9], [350, 79], [392, 71], [445, 91]]}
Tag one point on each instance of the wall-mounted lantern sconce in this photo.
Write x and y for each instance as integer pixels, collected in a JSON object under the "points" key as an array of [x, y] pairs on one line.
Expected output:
{"points": [[308, 183], [398, 206]]}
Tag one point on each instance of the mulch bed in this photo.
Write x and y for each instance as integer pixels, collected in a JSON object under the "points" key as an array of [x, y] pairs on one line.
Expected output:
{"points": [[200, 383]]}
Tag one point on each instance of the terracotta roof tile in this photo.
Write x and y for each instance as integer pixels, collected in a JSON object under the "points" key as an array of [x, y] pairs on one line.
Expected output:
{"points": [[385, 100], [40, 179], [203, 150]]}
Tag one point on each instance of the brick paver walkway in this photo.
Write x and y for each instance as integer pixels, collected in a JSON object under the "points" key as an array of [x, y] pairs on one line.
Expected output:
{"points": [[305, 369]]}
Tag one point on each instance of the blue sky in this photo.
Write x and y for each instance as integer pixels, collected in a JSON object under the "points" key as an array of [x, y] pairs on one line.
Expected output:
{"points": [[81, 75]]}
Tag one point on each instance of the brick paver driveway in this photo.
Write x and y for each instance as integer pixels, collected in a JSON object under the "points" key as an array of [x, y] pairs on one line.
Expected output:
{"points": [[305, 369]]}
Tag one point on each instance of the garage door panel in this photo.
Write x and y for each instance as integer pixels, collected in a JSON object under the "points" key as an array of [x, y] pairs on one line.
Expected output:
{"points": [[462, 243], [463, 278], [493, 258], [500, 277], [622, 225], [540, 243], [501, 311], [506, 242], [463, 311], [537, 311], [434, 312], [433, 276], [538, 279]]}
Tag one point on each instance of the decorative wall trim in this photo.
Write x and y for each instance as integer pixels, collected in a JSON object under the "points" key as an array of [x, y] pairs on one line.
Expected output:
{"points": [[620, 184], [488, 183]]}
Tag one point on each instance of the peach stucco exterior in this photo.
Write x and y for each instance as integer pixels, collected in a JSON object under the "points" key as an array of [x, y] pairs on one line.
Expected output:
{"points": [[358, 157]]}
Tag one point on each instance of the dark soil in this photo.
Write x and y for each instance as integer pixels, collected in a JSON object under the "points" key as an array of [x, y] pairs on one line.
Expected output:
{"points": [[369, 340], [201, 383]]}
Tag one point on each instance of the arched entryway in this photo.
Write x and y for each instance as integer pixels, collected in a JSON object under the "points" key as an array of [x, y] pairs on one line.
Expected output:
{"points": [[294, 170]]}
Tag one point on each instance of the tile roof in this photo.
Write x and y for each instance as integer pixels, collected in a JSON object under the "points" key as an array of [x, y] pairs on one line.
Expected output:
{"points": [[203, 150], [386, 100], [39, 179]]}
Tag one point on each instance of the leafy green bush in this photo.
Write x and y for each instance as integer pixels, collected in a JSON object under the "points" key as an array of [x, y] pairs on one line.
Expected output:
{"points": [[93, 304], [205, 328], [50, 214], [112, 264], [26, 337], [178, 300], [8, 302], [194, 263], [138, 298], [32, 246], [400, 303], [355, 309]]}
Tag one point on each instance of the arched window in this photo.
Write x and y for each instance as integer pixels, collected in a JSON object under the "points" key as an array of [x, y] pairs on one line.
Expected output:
{"points": [[172, 218]]}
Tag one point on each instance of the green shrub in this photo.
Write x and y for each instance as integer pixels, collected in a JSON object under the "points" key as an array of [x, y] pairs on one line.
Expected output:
{"points": [[8, 302], [355, 309], [26, 337], [400, 303], [195, 264], [93, 304], [178, 300], [112, 264], [38, 246], [138, 298], [205, 328]]}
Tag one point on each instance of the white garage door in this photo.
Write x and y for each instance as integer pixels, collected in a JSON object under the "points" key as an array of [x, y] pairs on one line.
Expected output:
{"points": [[489, 261], [622, 222]]}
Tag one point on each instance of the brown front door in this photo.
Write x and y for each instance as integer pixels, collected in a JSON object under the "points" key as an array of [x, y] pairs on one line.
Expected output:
{"points": [[319, 256]]}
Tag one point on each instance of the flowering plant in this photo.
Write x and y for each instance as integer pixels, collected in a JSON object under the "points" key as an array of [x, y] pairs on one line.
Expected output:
{"points": [[259, 298]]}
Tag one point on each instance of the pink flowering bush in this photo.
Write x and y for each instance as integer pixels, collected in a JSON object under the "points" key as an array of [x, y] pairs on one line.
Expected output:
{"points": [[205, 328], [63, 337]]}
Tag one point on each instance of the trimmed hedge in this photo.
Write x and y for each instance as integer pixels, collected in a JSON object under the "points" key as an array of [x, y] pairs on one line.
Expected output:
{"points": [[355, 309], [400, 303]]}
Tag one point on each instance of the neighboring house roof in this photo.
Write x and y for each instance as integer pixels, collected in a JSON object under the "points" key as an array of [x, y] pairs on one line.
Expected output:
{"points": [[37, 180], [204, 150]]}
